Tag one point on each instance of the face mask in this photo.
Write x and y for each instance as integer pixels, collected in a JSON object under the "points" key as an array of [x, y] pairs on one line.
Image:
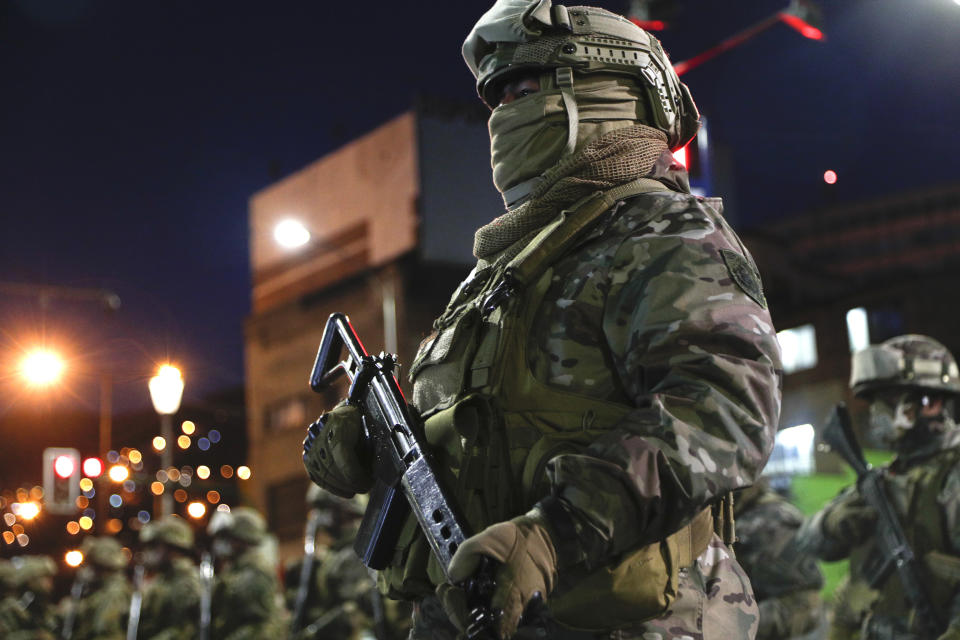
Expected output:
{"points": [[527, 137], [892, 417]]}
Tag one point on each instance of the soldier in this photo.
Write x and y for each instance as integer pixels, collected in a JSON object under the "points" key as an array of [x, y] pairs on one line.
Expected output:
{"points": [[100, 611], [910, 382], [786, 582], [606, 375], [246, 599], [341, 596], [171, 598], [26, 612]]}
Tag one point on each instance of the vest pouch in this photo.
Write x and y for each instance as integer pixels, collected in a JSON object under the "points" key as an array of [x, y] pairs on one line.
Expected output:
{"points": [[641, 586]]}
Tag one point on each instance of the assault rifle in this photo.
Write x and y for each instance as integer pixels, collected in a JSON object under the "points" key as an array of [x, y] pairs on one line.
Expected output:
{"points": [[306, 571], [895, 551], [405, 479], [206, 595], [136, 603]]}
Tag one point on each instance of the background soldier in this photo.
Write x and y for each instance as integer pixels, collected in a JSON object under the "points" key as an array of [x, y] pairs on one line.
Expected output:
{"points": [[246, 599], [910, 382], [26, 612], [101, 611], [171, 599], [786, 581], [603, 378], [342, 599]]}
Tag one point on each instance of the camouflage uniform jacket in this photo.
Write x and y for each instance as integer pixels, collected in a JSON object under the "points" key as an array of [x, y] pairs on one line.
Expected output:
{"points": [[924, 488], [246, 600], [786, 582], [658, 309], [103, 609], [34, 622], [171, 603]]}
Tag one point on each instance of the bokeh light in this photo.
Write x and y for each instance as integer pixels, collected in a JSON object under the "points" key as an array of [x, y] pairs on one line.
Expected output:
{"points": [[116, 501], [92, 467], [29, 510], [82, 502], [114, 525], [156, 488], [224, 508], [143, 516], [86, 484], [159, 443], [188, 427], [830, 176], [213, 497], [8, 537], [243, 472], [214, 436], [196, 509], [85, 522], [73, 527], [42, 367], [73, 558], [226, 471], [183, 442], [119, 473], [203, 472], [135, 456], [203, 444], [180, 495]]}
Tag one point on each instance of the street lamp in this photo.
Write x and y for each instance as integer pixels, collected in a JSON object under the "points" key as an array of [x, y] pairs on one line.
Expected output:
{"points": [[166, 390], [42, 367]]}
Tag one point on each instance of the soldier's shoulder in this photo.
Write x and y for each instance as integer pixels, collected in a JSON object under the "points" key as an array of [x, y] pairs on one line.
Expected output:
{"points": [[665, 212]]}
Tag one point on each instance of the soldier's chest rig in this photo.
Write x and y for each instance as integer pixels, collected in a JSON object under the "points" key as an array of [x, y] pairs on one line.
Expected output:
{"points": [[493, 426]]}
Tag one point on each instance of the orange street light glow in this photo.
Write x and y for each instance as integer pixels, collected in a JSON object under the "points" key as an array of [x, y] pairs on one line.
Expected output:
{"points": [[29, 510], [196, 509], [159, 443], [73, 558], [119, 473], [183, 442], [42, 367]]}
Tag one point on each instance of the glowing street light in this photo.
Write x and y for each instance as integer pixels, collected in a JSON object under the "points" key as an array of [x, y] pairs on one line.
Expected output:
{"points": [[29, 510], [73, 558], [42, 367], [196, 510], [291, 234], [166, 391]]}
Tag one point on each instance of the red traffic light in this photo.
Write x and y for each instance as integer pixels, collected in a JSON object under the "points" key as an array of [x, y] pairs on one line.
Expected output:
{"points": [[92, 467], [63, 466]]}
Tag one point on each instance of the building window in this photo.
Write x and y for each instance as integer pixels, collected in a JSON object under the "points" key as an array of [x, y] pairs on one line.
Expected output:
{"points": [[287, 508], [858, 329], [792, 452], [798, 347], [289, 413]]}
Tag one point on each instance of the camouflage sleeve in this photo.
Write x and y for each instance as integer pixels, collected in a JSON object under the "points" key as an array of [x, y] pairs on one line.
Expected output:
{"points": [[833, 532], [693, 346], [949, 499]]}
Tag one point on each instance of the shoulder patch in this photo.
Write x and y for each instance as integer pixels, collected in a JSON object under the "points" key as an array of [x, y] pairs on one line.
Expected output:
{"points": [[745, 275]]}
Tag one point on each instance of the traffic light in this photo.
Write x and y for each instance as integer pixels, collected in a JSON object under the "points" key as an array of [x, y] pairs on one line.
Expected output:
{"points": [[61, 479]]}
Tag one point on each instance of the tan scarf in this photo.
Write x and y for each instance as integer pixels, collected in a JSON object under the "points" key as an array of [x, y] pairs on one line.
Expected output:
{"points": [[612, 159]]}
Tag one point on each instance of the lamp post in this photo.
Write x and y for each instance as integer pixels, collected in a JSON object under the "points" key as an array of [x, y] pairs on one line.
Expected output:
{"points": [[166, 390]]}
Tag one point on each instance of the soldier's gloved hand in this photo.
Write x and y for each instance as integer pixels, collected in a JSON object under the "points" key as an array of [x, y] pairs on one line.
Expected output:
{"points": [[850, 519], [527, 566], [952, 633], [335, 452]]}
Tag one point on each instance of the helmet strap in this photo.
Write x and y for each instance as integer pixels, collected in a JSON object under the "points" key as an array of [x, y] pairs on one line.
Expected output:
{"points": [[565, 84]]}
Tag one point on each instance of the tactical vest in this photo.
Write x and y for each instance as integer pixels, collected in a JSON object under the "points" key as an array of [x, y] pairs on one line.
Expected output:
{"points": [[493, 427], [926, 530]]}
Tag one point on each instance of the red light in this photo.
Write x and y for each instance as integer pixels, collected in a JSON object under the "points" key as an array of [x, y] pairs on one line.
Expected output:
{"points": [[92, 467], [806, 30], [650, 25], [680, 155], [63, 466], [830, 176]]}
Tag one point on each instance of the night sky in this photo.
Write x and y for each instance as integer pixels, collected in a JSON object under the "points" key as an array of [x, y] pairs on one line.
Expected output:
{"points": [[133, 134]]}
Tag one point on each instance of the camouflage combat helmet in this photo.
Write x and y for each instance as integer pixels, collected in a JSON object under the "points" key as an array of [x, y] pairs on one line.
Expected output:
{"points": [[170, 530], [240, 523], [905, 362], [28, 568], [319, 498], [103, 552], [518, 35]]}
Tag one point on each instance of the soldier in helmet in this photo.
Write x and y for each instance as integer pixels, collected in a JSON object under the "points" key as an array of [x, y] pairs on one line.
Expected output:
{"points": [[786, 581], [246, 598], [910, 383], [171, 598], [100, 611], [340, 595], [606, 375], [26, 612]]}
